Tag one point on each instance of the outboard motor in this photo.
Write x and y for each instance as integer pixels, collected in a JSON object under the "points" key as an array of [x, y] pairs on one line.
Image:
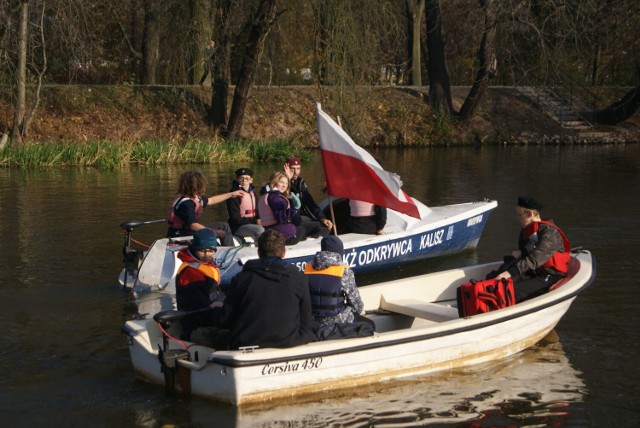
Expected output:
{"points": [[132, 256], [169, 357]]}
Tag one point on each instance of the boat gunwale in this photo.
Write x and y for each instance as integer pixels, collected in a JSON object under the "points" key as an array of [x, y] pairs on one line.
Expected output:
{"points": [[230, 361]]}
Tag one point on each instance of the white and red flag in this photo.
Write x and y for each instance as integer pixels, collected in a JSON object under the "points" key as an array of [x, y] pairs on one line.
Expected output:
{"points": [[352, 173]]}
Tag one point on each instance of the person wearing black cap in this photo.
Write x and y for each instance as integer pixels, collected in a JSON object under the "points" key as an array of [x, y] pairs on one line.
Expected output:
{"points": [[335, 298], [197, 280], [243, 212], [543, 253], [312, 217]]}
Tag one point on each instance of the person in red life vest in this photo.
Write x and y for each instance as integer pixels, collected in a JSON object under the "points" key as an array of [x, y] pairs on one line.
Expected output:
{"points": [[334, 295], [243, 211], [267, 304], [311, 215], [366, 218], [543, 253], [197, 283], [277, 212], [186, 209]]}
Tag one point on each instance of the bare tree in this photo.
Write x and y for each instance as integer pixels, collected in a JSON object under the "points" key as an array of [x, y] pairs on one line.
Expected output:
{"points": [[260, 25], [221, 73], [21, 75], [415, 12], [23, 114], [439, 85], [487, 63]]}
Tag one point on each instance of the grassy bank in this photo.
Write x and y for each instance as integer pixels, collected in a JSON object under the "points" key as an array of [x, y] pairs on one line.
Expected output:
{"points": [[112, 155], [111, 126]]}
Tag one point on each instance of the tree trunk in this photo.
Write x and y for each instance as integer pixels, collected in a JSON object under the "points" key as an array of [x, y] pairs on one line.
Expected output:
{"points": [[439, 85], [150, 42], [487, 69], [201, 18], [221, 74], [622, 109], [322, 46], [21, 76], [415, 9], [259, 28]]}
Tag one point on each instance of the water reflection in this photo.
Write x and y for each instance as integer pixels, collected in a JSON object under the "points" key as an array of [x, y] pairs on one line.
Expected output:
{"points": [[536, 387]]}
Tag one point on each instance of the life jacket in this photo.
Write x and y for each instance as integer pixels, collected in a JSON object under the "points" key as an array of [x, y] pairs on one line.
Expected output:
{"points": [[559, 260], [361, 208], [174, 220], [210, 271], [325, 288], [266, 213], [248, 204]]}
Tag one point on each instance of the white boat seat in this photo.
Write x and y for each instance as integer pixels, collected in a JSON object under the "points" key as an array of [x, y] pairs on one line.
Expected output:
{"points": [[419, 309]]}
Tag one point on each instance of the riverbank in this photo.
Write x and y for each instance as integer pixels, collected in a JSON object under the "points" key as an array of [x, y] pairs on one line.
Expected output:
{"points": [[379, 116]]}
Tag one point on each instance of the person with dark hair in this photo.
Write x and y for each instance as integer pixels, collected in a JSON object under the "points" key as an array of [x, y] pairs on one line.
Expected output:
{"points": [[543, 253], [186, 209], [267, 304], [335, 298], [243, 211], [311, 215]]}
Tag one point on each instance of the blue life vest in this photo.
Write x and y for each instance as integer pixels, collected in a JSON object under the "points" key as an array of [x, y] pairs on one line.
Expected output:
{"points": [[325, 288]]}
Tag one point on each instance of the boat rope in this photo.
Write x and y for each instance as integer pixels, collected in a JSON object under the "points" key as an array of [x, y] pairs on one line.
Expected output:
{"points": [[173, 339], [142, 244]]}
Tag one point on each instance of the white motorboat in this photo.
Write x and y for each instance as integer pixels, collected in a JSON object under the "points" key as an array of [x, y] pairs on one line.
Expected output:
{"points": [[418, 331]]}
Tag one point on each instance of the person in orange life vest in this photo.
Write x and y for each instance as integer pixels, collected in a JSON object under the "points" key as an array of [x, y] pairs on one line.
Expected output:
{"points": [[543, 253], [366, 218], [277, 212], [311, 215], [197, 281], [187, 207], [243, 211]]}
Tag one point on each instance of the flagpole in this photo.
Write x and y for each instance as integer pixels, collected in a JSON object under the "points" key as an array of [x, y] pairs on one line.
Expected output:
{"points": [[333, 217]]}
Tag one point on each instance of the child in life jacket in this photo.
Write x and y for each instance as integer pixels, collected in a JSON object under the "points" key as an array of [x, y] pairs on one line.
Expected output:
{"points": [[197, 284], [187, 207]]}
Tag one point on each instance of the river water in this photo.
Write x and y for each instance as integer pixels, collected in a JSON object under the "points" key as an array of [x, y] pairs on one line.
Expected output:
{"points": [[65, 364]]}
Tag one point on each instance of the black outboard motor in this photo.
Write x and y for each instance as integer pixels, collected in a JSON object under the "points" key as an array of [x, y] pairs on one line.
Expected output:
{"points": [[132, 256], [169, 357]]}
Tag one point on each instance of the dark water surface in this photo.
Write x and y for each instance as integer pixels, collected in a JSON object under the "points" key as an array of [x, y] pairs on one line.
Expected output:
{"points": [[65, 363]]}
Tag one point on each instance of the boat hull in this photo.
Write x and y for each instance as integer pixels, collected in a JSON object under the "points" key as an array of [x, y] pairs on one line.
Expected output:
{"points": [[443, 230], [403, 346]]}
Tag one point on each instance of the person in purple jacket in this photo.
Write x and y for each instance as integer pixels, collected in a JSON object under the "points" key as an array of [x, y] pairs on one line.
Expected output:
{"points": [[278, 212]]}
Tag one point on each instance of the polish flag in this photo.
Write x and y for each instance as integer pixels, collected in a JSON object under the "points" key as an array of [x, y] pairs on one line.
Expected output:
{"points": [[352, 173]]}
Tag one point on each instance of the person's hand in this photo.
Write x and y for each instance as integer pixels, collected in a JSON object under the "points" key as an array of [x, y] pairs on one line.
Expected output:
{"points": [[237, 193], [504, 275], [295, 201], [216, 304], [516, 254], [380, 232], [327, 223], [287, 170]]}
